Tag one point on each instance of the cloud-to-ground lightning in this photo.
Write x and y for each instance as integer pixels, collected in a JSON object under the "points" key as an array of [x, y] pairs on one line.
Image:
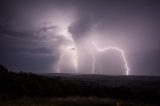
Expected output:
{"points": [[117, 49], [75, 58], [93, 60], [100, 67], [60, 60], [68, 47], [74, 53]]}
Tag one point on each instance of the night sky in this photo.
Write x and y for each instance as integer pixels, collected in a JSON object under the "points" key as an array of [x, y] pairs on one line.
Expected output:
{"points": [[34, 34]]}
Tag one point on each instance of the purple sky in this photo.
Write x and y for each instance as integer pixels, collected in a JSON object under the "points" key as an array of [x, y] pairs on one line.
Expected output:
{"points": [[33, 33]]}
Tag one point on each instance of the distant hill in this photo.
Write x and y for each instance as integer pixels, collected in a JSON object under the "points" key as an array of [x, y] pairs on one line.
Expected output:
{"points": [[108, 80]]}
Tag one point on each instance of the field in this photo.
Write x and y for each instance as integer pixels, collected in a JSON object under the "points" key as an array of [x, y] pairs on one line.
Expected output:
{"points": [[28, 89], [70, 101]]}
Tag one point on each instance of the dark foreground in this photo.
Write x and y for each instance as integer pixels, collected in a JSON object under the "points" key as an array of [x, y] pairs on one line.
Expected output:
{"points": [[27, 89], [71, 101]]}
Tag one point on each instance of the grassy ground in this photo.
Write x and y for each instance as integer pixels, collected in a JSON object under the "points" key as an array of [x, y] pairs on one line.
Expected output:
{"points": [[69, 101]]}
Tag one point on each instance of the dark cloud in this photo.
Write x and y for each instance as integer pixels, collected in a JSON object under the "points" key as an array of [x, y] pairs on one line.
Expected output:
{"points": [[42, 50], [146, 64], [29, 63], [81, 27]]}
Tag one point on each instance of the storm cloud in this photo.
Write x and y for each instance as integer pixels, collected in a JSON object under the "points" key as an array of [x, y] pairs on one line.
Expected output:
{"points": [[34, 31]]}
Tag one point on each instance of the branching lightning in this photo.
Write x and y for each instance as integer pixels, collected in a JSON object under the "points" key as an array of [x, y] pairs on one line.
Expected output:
{"points": [[74, 52], [117, 49]]}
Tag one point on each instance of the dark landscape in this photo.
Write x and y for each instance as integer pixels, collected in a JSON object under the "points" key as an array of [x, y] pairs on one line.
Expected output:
{"points": [[27, 89]]}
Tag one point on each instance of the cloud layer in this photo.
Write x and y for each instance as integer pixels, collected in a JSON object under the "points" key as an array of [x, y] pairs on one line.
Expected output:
{"points": [[36, 30]]}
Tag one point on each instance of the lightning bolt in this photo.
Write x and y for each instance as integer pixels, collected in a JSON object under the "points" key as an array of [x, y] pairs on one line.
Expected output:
{"points": [[100, 67], [93, 60], [70, 47], [74, 57], [60, 60], [75, 60], [117, 49]]}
